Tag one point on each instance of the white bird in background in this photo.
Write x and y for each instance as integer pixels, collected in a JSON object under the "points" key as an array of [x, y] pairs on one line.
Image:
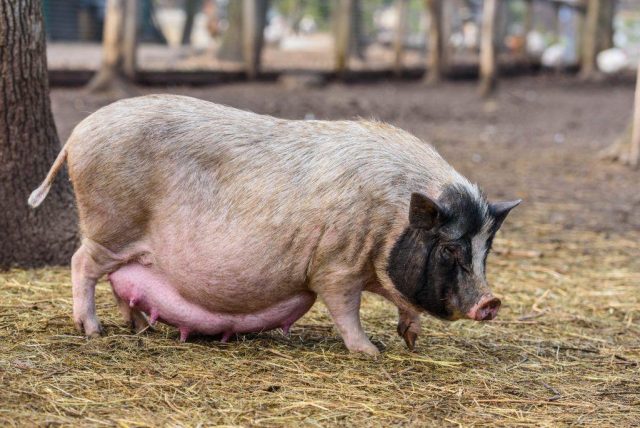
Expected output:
{"points": [[612, 60]]}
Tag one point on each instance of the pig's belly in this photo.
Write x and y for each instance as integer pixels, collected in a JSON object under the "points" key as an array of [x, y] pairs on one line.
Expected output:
{"points": [[149, 291]]}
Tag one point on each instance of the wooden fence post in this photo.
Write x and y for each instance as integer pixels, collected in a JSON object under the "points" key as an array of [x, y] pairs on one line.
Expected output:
{"points": [[435, 60], [111, 75], [342, 35], [130, 39], [488, 66], [634, 152], [590, 39], [528, 27], [556, 20], [250, 49], [528, 16], [400, 36]]}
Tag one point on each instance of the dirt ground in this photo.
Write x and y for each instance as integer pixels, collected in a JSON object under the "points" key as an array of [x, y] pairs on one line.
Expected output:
{"points": [[565, 349]]}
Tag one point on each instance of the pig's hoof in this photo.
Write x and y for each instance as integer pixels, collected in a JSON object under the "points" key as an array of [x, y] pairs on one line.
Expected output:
{"points": [[410, 339], [138, 322], [184, 334], [90, 327], [286, 329], [365, 348], [406, 332]]}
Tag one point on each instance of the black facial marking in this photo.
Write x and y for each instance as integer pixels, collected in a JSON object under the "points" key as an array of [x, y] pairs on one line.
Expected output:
{"points": [[464, 212], [431, 266], [408, 261]]}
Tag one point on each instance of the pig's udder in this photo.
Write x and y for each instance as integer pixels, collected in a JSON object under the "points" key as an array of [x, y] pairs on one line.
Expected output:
{"points": [[148, 291]]}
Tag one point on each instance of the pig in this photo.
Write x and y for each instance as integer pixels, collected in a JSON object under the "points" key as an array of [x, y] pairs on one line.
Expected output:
{"points": [[220, 221]]}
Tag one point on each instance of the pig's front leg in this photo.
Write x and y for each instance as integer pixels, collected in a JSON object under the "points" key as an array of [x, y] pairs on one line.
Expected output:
{"points": [[344, 307], [409, 327]]}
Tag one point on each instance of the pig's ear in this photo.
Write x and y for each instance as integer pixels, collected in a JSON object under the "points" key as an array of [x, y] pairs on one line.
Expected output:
{"points": [[499, 210], [424, 213]]}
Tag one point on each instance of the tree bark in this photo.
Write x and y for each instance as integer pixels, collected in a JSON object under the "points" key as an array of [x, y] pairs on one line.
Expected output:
{"points": [[435, 60], [28, 146], [488, 66], [118, 30]]}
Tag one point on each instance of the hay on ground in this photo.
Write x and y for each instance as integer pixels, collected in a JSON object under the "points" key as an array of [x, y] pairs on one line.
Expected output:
{"points": [[565, 350]]}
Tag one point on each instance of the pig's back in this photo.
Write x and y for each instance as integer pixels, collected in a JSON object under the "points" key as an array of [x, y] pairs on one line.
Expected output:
{"points": [[146, 155]]}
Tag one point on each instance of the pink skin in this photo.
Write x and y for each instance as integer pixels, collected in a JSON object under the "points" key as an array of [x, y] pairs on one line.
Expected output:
{"points": [[147, 290], [486, 309]]}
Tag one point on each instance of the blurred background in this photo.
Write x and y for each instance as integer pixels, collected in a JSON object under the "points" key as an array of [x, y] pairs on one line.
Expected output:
{"points": [[295, 35], [531, 99]]}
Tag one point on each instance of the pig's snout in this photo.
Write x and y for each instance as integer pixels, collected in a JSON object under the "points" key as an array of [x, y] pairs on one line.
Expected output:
{"points": [[486, 309]]}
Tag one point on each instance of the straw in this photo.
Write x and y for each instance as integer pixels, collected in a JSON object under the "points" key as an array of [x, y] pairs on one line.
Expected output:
{"points": [[565, 350]]}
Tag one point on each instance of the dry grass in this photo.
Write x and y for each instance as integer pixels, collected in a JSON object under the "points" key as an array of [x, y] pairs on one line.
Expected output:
{"points": [[565, 351]]}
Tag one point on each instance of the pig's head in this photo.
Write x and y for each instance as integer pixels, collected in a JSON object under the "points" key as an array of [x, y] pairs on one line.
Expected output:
{"points": [[438, 262]]}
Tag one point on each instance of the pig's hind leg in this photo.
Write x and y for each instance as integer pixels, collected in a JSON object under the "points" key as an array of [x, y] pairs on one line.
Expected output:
{"points": [[90, 262], [133, 317]]}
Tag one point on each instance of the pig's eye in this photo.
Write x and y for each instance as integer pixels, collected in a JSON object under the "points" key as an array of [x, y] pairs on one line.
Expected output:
{"points": [[448, 255]]}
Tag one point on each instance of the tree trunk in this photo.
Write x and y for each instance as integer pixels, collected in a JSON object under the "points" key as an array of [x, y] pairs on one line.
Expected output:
{"points": [[28, 146], [400, 36], [488, 66], [435, 60], [112, 76]]}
